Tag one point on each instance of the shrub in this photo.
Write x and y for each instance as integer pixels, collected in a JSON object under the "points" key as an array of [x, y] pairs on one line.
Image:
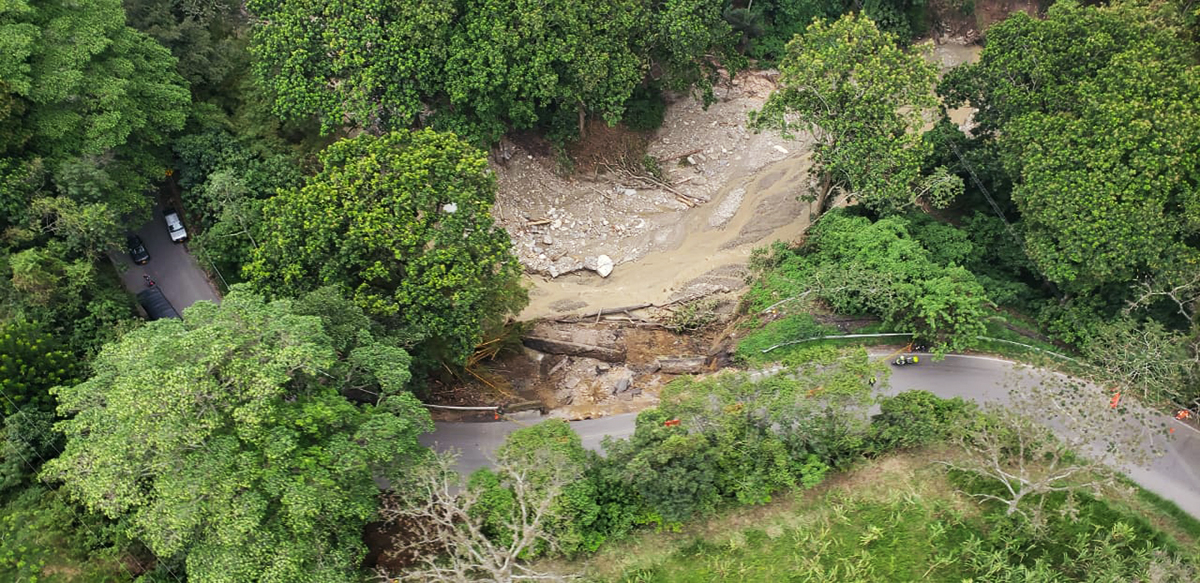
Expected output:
{"points": [[915, 418], [645, 108]]}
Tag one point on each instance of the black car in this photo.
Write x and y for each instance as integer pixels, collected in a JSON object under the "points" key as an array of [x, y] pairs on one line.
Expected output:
{"points": [[137, 251]]}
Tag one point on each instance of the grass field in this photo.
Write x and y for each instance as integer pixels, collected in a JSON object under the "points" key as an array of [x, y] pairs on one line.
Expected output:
{"points": [[903, 518]]}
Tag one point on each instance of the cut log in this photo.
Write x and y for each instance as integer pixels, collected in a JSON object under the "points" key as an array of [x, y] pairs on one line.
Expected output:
{"points": [[556, 346]]}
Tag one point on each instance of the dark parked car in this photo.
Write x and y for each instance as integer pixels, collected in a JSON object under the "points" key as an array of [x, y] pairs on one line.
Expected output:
{"points": [[137, 251], [156, 304]]}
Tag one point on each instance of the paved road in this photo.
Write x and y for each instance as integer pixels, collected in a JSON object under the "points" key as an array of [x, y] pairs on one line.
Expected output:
{"points": [[1174, 476], [172, 268]]}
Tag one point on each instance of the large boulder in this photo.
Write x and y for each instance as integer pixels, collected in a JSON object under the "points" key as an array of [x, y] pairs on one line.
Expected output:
{"points": [[687, 365]]}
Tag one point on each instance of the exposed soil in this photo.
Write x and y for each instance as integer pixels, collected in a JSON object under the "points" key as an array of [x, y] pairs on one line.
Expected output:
{"points": [[966, 21], [737, 189]]}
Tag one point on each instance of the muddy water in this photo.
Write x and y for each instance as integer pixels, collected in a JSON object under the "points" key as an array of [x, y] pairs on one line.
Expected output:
{"points": [[694, 247], [947, 57]]}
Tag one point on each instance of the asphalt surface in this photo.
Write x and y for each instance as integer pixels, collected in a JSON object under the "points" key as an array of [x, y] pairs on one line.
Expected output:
{"points": [[1174, 476], [172, 268]]}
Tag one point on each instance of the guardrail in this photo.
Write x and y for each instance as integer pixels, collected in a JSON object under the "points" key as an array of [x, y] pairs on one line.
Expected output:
{"points": [[909, 334]]}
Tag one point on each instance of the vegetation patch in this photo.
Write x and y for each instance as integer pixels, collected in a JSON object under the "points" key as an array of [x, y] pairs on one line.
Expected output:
{"points": [[910, 522]]}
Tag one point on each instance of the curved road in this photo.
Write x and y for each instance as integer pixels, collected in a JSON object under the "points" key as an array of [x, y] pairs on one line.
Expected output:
{"points": [[1174, 476]]}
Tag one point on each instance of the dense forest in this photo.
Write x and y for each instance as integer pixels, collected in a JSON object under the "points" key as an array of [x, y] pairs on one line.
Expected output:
{"points": [[332, 162]]}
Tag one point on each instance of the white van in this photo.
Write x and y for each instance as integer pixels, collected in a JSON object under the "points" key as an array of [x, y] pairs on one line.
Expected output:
{"points": [[175, 227]]}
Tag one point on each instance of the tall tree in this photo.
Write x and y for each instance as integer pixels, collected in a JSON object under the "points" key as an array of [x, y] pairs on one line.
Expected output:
{"points": [[402, 223], [363, 64], [220, 439], [863, 99], [513, 59], [1054, 435], [1095, 113], [499, 518], [94, 98], [86, 105]]}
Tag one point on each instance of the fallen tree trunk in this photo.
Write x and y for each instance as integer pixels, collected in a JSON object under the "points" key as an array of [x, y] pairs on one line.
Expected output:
{"points": [[558, 346]]}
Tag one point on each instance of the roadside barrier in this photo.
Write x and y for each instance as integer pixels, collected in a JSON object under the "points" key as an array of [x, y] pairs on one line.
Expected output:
{"points": [[909, 334]]}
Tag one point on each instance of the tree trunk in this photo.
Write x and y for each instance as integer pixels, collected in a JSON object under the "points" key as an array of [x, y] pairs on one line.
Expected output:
{"points": [[822, 195], [582, 119]]}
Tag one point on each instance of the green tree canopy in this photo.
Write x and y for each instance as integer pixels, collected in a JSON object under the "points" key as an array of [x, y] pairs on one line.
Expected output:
{"points": [[728, 437], [89, 96], [402, 223], [512, 59], [86, 106], [481, 67], [221, 439], [859, 267], [367, 64], [31, 361], [863, 99], [1096, 114]]}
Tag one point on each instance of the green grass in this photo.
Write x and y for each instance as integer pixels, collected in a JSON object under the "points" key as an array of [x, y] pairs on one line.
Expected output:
{"points": [[893, 540], [899, 518], [1181, 520]]}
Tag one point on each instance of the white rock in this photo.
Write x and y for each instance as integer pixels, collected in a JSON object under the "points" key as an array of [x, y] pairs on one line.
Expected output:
{"points": [[701, 157], [547, 240], [604, 265], [782, 150], [449, 207], [630, 192], [692, 160], [556, 224]]}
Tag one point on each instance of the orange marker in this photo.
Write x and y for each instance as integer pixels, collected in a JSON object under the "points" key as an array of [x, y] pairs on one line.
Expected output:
{"points": [[1116, 400]]}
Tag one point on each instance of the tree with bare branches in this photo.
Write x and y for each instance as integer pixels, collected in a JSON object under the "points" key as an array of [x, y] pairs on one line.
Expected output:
{"points": [[483, 529], [1159, 365], [1055, 435], [1179, 288]]}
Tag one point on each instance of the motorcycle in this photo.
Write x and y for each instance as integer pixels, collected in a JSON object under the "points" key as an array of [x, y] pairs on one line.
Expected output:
{"points": [[903, 360]]}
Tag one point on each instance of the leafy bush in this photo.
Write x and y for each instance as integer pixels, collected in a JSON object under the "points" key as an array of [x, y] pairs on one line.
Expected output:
{"points": [[915, 418], [947, 245], [859, 267], [29, 439], [645, 108], [693, 315], [40, 534], [794, 327], [576, 510], [731, 439]]}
